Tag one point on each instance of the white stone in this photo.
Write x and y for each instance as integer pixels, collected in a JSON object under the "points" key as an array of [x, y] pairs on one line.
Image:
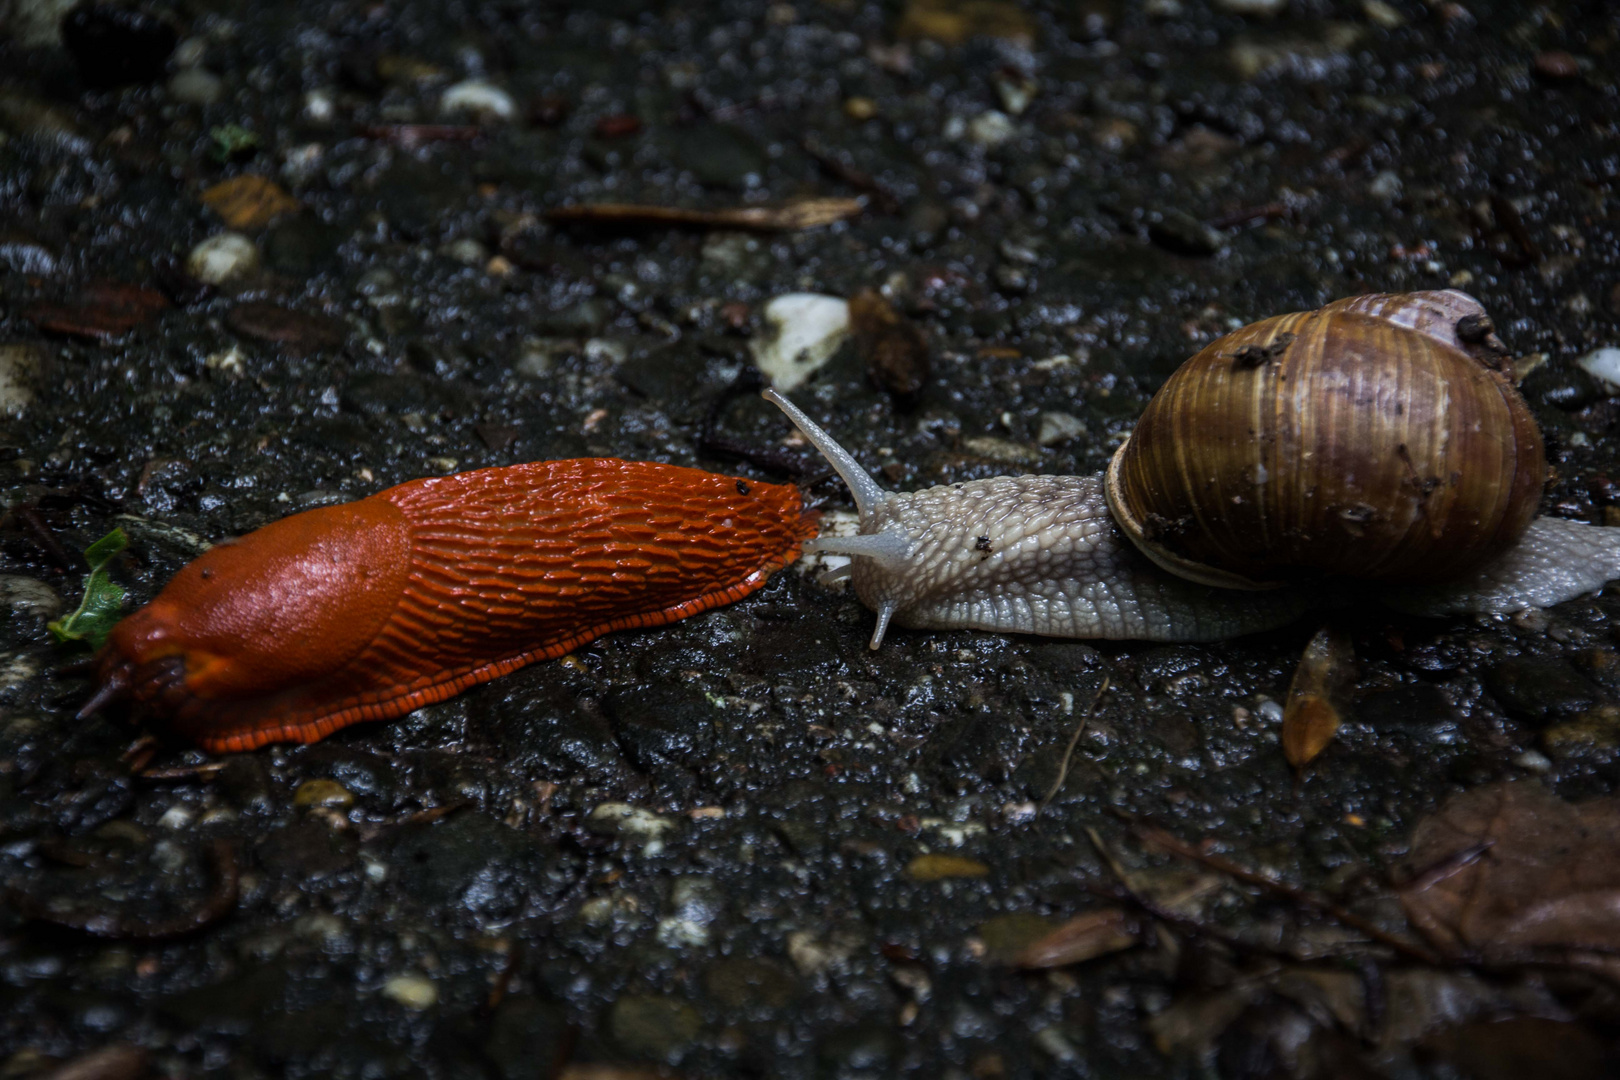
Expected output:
{"points": [[222, 257], [1603, 364], [1059, 427], [633, 821], [26, 596], [1385, 15], [319, 105], [1386, 185], [415, 992], [19, 372], [991, 128], [802, 332], [228, 363], [196, 86], [483, 99]]}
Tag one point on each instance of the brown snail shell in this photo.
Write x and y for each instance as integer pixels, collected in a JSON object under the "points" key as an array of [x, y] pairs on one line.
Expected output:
{"points": [[1371, 438]]}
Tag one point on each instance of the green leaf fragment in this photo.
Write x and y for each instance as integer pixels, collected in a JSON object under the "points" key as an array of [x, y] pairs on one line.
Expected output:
{"points": [[230, 141], [98, 611]]}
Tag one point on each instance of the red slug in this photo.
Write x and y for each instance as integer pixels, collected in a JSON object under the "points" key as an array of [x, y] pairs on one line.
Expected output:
{"points": [[370, 609]]}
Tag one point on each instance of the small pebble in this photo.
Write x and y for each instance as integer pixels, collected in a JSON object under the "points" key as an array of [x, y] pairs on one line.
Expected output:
{"points": [[26, 255], [483, 100], [465, 250], [802, 332], [319, 105], [1534, 761], [1602, 363], [1059, 427], [196, 86], [222, 257], [622, 819], [1386, 186], [1382, 13], [26, 596], [860, 108], [990, 128], [415, 992], [323, 793], [20, 366], [1016, 90]]}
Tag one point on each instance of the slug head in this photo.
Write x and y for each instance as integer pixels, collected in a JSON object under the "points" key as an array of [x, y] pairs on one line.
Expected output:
{"points": [[284, 606]]}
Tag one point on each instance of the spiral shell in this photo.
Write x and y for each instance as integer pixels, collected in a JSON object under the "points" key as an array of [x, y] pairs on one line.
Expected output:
{"points": [[1371, 438]]}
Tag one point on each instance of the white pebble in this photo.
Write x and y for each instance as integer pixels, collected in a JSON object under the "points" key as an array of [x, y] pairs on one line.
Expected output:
{"points": [[1603, 364], [26, 596], [1386, 185], [412, 991], [627, 820], [175, 817], [196, 86], [227, 363], [19, 371], [802, 332], [483, 99], [319, 105], [1534, 761], [1059, 427], [222, 257], [991, 128]]}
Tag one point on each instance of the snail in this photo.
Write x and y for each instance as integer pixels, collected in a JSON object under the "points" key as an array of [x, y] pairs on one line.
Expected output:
{"points": [[369, 609], [1371, 446]]}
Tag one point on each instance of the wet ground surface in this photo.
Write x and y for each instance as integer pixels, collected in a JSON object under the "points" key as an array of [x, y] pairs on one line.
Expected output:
{"points": [[744, 844]]}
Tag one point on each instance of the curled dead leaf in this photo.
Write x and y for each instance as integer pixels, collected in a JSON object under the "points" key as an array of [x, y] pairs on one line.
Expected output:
{"points": [[249, 201], [1085, 937], [894, 349], [1311, 715], [1511, 874]]}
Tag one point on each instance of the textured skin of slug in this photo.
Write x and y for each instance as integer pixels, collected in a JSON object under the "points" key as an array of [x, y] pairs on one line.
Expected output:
{"points": [[1042, 555], [370, 609]]}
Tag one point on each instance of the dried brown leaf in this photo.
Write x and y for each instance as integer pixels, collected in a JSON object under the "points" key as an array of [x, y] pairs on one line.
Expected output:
{"points": [[99, 311], [894, 349], [940, 867], [1511, 874], [249, 202], [1310, 716], [299, 330], [800, 214], [1085, 937], [120, 1061], [955, 21]]}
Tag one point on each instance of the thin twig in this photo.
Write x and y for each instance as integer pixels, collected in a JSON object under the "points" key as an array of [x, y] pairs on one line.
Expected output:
{"points": [[1167, 841], [1431, 876], [1068, 751], [220, 902]]}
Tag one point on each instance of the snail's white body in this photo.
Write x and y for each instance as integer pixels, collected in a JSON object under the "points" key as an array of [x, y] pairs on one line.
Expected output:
{"points": [[1043, 555]]}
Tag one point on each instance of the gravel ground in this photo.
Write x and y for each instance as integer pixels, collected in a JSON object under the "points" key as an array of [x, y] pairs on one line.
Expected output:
{"points": [[744, 844]]}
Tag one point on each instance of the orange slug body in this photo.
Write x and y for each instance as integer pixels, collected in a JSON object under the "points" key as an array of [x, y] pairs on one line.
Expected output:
{"points": [[367, 610]]}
